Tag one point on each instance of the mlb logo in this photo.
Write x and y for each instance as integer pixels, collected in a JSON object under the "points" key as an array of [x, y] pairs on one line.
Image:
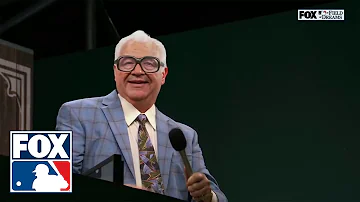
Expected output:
{"points": [[40, 161]]}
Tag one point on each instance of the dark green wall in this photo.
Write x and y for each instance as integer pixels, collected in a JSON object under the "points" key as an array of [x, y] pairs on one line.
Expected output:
{"points": [[275, 101]]}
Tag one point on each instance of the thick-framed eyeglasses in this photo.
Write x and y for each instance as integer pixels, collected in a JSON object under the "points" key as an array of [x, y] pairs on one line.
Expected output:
{"points": [[148, 64]]}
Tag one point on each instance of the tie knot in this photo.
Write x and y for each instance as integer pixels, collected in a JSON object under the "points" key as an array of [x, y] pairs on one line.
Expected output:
{"points": [[142, 118]]}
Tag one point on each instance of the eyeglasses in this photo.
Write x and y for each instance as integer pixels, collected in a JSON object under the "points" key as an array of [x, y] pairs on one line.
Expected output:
{"points": [[148, 64]]}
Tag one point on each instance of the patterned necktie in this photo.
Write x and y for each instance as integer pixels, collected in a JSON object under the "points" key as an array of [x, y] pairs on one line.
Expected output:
{"points": [[149, 167]]}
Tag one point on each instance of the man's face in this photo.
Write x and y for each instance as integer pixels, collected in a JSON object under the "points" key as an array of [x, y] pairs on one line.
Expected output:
{"points": [[136, 86]]}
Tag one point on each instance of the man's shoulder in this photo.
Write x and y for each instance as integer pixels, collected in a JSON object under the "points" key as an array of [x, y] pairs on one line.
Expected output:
{"points": [[187, 130], [91, 102]]}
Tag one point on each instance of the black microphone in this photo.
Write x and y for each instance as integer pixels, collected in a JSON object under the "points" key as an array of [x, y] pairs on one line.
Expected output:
{"points": [[178, 142]]}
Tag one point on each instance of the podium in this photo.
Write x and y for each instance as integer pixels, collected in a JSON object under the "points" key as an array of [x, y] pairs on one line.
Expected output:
{"points": [[86, 187]]}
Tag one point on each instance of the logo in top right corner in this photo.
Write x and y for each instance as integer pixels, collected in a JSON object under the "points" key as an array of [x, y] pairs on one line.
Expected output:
{"points": [[317, 14]]}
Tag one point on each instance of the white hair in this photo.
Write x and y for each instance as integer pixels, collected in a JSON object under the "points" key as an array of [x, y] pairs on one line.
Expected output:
{"points": [[141, 36]]}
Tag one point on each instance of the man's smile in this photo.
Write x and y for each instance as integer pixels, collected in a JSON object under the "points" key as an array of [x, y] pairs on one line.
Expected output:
{"points": [[138, 81]]}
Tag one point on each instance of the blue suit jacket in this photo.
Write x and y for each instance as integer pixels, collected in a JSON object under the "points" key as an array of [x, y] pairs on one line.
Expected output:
{"points": [[99, 131]]}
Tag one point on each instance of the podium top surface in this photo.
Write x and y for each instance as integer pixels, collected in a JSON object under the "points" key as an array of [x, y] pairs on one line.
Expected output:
{"points": [[84, 188]]}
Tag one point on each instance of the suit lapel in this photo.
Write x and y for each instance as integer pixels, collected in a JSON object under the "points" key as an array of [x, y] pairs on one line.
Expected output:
{"points": [[165, 150], [115, 116]]}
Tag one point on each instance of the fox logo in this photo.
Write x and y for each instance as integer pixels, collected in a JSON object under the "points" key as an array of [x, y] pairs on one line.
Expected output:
{"points": [[41, 161]]}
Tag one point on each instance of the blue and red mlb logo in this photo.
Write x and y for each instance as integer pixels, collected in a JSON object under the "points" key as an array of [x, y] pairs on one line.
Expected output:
{"points": [[40, 161]]}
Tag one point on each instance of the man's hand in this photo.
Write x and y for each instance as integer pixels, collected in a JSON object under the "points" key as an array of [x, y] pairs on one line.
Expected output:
{"points": [[199, 187]]}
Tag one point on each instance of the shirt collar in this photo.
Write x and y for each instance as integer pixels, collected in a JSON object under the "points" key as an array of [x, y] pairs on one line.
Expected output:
{"points": [[131, 113]]}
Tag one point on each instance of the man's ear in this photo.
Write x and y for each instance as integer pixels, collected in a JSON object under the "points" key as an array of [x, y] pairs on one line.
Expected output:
{"points": [[164, 74], [115, 68]]}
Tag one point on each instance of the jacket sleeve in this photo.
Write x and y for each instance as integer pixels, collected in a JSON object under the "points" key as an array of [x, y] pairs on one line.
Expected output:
{"points": [[68, 119], [198, 165]]}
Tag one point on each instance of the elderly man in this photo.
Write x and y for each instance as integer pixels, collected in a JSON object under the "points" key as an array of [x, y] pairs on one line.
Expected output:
{"points": [[126, 122]]}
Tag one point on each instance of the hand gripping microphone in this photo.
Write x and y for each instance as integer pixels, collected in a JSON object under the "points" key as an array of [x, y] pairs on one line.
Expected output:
{"points": [[178, 142]]}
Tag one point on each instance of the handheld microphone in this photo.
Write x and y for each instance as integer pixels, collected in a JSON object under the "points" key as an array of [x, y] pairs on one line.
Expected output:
{"points": [[178, 142]]}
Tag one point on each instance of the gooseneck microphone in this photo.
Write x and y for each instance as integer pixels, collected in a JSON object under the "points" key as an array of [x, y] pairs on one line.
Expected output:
{"points": [[178, 142]]}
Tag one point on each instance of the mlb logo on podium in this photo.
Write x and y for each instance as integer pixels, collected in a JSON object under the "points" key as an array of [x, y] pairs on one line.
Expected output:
{"points": [[40, 161]]}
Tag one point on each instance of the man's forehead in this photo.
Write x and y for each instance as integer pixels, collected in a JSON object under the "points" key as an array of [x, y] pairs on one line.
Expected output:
{"points": [[139, 48]]}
